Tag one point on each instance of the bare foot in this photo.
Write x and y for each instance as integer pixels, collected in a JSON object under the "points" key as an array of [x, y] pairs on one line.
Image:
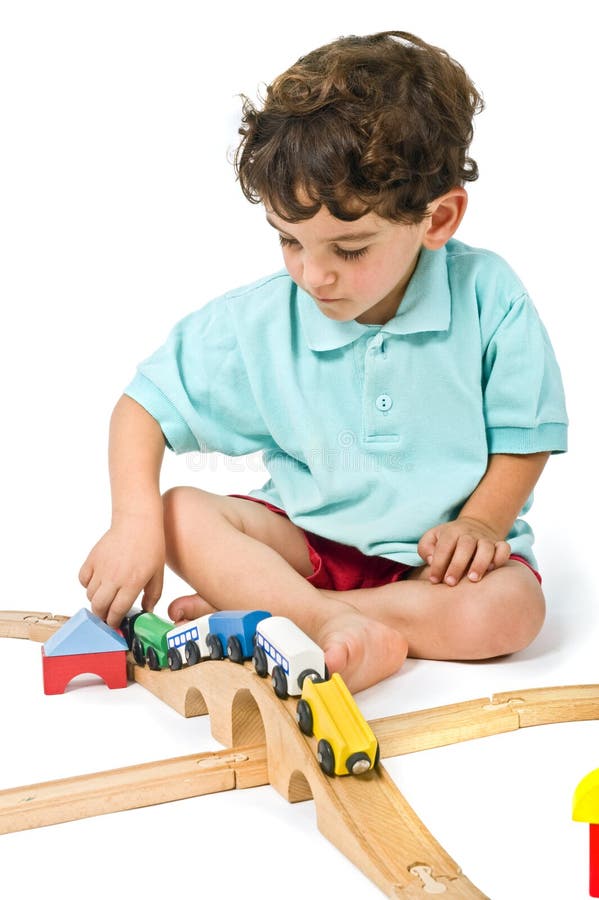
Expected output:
{"points": [[363, 650], [190, 606]]}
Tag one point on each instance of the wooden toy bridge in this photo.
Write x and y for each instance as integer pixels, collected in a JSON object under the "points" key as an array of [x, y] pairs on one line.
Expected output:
{"points": [[366, 817]]}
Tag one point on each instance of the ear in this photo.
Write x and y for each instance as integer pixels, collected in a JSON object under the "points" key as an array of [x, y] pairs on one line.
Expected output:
{"points": [[445, 214]]}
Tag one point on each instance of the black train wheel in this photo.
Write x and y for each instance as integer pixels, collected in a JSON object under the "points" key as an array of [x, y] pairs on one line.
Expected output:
{"points": [[260, 662], [174, 660], [153, 660], [326, 757], [214, 646], [138, 652], [357, 763], [234, 651], [304, 717], [279, 683], [312, 674], [192, 653]]}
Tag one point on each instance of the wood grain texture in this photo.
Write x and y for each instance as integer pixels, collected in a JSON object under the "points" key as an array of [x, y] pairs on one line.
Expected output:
{"points": [[49, 803], [366, 817]]}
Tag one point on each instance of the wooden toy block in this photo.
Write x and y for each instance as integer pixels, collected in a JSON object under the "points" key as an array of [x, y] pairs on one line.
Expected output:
{"points": [[84, 633], [585, 808], [84, 644], [59, 670], [594, 860]]}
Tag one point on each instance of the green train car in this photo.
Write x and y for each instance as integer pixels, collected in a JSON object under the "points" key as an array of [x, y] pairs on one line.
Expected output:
{"points": [[149, 642]]}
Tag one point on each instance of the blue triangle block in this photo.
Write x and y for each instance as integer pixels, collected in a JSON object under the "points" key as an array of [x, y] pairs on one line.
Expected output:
{"points": [[84, 633]]}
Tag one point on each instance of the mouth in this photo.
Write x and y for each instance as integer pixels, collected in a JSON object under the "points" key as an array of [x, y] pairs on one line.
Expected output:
{"points": [[328, 299]]}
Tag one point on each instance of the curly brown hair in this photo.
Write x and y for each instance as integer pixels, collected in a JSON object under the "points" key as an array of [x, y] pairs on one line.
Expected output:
{"points": [[380, 122]]}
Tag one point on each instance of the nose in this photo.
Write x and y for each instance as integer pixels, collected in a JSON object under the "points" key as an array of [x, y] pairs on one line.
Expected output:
{"points": [[317, 275]]}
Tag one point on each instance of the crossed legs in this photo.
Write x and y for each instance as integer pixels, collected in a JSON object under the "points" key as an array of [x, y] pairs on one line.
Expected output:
{"points": [[237, 554]]}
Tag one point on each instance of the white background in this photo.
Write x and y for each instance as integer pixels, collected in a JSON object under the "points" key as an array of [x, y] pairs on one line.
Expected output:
{"points": [[119, 214]]}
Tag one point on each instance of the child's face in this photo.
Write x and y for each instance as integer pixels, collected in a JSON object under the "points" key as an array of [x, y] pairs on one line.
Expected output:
{"points": [[353, 270]]}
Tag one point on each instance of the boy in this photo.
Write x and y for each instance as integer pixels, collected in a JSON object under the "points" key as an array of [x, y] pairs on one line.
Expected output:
{"points": [[400, 384]]}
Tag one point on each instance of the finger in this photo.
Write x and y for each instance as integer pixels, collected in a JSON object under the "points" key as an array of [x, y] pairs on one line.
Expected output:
{"points": [[85, 573], [120, 606], [92, 586], [426, 545], [102, 599], [483, 558], [442, 556], [502, 554], [153, 591], [464, 551]]}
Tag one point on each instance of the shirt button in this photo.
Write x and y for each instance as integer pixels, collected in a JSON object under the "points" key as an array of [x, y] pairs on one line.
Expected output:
{"points": [[383, 402]]}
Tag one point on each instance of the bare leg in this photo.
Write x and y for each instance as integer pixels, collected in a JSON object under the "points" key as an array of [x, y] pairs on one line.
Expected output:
{"points": [[240, 555], [500, 614]]}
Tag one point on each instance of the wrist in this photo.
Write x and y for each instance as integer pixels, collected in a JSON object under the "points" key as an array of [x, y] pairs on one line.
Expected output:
{"points": [[146, 509], [484, 521]]}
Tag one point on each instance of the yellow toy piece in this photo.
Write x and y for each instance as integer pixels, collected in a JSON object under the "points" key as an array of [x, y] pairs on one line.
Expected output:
{"points": [[346, 743], [585, 806]]}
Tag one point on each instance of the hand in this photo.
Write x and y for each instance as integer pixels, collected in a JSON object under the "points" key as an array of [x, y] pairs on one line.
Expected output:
{"points": [[129, 558], [462, 546]]}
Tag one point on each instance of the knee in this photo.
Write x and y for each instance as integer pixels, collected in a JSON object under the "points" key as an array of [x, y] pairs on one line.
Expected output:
{"points": [[177, 505], [512, 616], [191, 515], [524, 618], [171, 511], [174, 503]]}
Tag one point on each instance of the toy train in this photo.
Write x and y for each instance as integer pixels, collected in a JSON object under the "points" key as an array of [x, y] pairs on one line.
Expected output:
{"points": [[160, 644], [277, 647]]}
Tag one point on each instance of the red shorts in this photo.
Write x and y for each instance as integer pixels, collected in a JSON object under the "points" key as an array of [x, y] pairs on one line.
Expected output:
{"points": [[339, 567]]}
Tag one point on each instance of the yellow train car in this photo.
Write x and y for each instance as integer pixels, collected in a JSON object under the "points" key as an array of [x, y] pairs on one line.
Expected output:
{"points": [[346, 742]]}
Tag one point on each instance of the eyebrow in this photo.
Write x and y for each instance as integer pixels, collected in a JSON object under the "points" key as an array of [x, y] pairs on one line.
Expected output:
{"points": [[347, 236]]}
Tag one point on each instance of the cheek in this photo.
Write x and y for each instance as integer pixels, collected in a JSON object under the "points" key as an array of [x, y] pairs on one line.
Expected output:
{"points": [[366, 277], [292, 264], [392, 269]]}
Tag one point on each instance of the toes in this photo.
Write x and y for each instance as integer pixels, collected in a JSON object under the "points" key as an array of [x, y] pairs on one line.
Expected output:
{"points": [[176, 613], [188, 607], [365, 659], [336, 657]]}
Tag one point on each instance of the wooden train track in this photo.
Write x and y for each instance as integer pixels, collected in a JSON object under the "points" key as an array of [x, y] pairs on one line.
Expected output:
{"points": [[367, 818]]}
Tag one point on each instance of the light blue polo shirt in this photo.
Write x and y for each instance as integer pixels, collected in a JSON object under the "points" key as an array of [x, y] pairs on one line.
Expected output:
{"points": [[371, 434]]}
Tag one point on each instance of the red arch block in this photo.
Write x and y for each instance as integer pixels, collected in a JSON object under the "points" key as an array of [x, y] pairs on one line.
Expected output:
{"points": [[594, 861], [59, 670]]}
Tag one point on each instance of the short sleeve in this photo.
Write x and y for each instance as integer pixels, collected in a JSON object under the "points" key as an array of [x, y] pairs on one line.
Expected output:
{"points": [[524, 400], [196, 387]]}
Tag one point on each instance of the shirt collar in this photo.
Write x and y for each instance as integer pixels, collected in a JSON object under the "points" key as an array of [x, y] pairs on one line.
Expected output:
{"points": [[426, 306]]}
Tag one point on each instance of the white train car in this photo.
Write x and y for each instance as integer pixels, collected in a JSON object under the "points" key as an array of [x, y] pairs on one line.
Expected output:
{"points": [[188, 640], [282, 650]]}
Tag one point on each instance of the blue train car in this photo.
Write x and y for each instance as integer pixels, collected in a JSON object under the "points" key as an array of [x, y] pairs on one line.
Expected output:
{"points": [[231, 633]]}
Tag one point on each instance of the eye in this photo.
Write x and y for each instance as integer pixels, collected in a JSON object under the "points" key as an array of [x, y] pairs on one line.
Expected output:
{"points": [[352, 254], [286, 242], [344, 254]]}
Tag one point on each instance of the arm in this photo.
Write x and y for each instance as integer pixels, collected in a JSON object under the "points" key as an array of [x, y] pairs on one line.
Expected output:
{"points": [[504, 489], [475, 541], [135, 453], [130, 557]]}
